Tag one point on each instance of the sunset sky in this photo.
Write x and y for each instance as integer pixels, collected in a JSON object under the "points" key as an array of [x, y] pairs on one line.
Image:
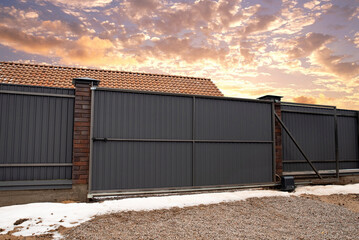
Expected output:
{"points": [[306, 51]]}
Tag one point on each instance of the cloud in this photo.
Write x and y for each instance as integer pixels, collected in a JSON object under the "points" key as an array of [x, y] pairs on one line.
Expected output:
{"points": [[305, 99], [259, 23], [62, 28], [167, 18], [28, 21], [182, 48], [320, 99], [85, 50], [305, 45], [80, 3], [295, 18], [248, 56], [142, 5], [17, 18], [28, 43], [311, 4], [356, 40], [31, 15], [333, 64], [348, 12]]}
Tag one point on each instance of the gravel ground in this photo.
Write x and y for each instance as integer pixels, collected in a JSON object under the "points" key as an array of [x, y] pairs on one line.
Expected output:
{"points": [[264, 218], [349, 201]]}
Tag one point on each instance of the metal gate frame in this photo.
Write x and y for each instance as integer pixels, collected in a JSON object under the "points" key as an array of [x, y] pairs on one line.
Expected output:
{"points": [[335, 115], [94, 193]]}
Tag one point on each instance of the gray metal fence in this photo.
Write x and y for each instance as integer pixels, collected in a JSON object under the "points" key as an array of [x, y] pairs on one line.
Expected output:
{"points": [[328, 136], [147, 140], [36, 126]]}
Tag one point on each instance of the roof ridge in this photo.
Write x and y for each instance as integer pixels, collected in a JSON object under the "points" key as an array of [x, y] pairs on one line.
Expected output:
{"points": [[103, 70]]}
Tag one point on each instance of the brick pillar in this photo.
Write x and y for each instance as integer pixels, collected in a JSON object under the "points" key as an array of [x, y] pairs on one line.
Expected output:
{"points": [[278, 133], [81, 134]]}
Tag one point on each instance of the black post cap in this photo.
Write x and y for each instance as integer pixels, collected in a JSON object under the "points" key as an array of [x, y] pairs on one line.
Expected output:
{"points": [[274, 98], [85, 80]]}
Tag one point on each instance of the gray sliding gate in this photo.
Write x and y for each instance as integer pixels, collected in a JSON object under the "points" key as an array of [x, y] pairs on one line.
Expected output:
{"points": [[145, 140], [328, 136], [36, 125]]}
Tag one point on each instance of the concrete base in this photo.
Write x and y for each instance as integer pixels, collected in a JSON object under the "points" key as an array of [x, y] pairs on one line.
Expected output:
{"points": [[349, 179], [343, 180], [78, 192]]}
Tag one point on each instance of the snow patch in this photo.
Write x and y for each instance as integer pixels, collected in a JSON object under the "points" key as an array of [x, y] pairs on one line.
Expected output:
{"points": [[327, 190], [47, 217]]}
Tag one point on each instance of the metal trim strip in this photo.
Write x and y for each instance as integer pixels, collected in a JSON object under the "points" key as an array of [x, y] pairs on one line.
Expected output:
{"points": [[182, 95], [35, 164], [37, 94], [176, 140]]}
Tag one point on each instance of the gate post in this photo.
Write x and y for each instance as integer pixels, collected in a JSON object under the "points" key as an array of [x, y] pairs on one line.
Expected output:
{"points": [[277, 134], [81, 132]]}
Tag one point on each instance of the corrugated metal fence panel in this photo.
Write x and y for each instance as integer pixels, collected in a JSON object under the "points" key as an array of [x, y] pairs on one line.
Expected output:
{"points": [[138, 165], [313, 128], [314, 133], [133, 159], [229, 120], [35, 129], [232, 163], [348, 139], [142, 116]]}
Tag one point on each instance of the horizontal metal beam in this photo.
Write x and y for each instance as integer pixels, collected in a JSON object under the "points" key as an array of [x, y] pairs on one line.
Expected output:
{"points": [[36, 165], [36, 184], [346, 115], [317, 113], [177, 140], [183, 95], [37, 94], [307, 105], [299, 173], [320, 161], [175, 190], [304, 112]]}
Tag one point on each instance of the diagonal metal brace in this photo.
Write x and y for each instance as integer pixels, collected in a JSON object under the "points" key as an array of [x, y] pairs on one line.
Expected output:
{"points": [[297, 145]]}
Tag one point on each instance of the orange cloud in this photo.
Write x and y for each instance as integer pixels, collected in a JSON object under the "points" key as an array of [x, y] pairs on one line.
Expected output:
{"points": [[174, 47], [85, 50], [305, 99], [28, 43], [333, 64]]}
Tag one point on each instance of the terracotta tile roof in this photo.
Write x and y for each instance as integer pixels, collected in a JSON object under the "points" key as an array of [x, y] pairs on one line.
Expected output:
{"points": [[61, 77]]}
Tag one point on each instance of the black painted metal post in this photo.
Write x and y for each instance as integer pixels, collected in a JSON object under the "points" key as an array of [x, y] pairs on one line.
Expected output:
{"points": [[336, 142], [274, 143], [193, 137]]}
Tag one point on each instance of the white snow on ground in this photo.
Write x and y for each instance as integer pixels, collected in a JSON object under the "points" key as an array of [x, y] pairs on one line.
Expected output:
{"points": [[44, 217], [328, 190]]}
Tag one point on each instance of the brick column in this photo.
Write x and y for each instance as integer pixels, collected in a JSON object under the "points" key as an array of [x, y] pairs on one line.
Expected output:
{"points": [[81, 134], [278, 133]]}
